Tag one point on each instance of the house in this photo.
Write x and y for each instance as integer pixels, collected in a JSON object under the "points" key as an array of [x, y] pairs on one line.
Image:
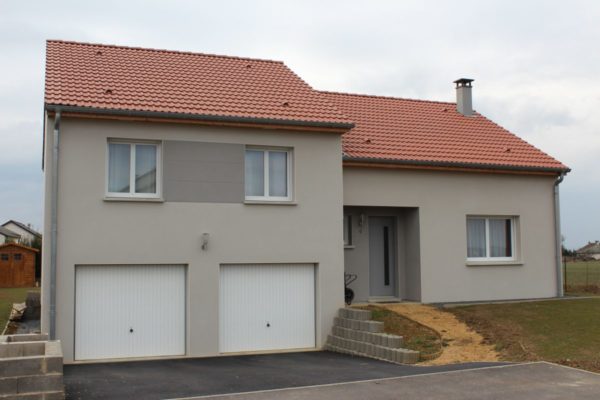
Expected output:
{"points": [[8, 236], [200, 205], [590, 250], [26, 233], [17, 265]]}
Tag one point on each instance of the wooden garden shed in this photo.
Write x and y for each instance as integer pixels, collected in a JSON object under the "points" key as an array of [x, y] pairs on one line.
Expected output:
{"points": [[17, 265]]}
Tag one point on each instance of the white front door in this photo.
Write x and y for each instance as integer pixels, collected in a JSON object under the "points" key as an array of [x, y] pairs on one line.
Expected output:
{"points": [[266, 307], [125, 311]]}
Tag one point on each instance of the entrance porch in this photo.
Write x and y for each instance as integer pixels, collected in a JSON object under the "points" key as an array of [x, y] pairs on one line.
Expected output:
{"points": [[381, 247]]}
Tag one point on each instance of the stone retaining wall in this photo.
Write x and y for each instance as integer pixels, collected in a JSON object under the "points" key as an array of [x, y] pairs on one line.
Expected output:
{"points": [[31, 367]]}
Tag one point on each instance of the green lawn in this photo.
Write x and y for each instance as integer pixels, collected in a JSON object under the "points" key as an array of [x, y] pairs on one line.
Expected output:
{"points": [[562, 331], [8, 296], [583, 277]]}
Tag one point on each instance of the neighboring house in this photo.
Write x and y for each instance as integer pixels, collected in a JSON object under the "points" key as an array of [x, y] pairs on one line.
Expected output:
{"points": [[17, 265], [8, 236], [590, 250], [199, 203], [26, 232]]}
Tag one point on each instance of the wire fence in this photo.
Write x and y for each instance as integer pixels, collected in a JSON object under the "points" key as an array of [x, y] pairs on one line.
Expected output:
{"points": [[582, 276]]}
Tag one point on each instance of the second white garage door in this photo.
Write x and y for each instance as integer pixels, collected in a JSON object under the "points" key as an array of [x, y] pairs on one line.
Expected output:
{"points": [[124, 311], [266, 307]]}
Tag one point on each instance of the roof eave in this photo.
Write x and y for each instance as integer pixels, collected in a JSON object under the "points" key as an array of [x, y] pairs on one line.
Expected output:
{"points": [[341, 126], [12, 244], [458, 165]]}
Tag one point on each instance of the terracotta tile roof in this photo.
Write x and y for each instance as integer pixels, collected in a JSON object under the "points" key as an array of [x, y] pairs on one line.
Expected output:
{"points": [[162, 81], [417, 131]]}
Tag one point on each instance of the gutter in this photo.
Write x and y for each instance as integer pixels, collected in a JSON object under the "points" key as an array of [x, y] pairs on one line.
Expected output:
{"points": [[558, 237], [199, 117], [53, 224], [44, 138], [450, 164]]}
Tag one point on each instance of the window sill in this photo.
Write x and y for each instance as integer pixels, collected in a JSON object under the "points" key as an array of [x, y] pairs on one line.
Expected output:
{"points": [[493, 263], [348, 247], [271, 202], [135, 199]]}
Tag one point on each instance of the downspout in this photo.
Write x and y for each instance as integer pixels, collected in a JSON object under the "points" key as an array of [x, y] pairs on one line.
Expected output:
{"points": [[559, 275], [53, 224]]}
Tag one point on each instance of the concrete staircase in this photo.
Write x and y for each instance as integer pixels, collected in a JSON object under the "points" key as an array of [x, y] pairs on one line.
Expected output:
{"points": [[354, 333]]}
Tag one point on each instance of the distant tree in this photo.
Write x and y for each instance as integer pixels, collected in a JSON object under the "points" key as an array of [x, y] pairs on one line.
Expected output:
{"points": [[568, 253]]}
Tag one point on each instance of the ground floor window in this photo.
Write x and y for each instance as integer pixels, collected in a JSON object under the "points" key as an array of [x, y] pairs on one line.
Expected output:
{"points": [[490, 238]]}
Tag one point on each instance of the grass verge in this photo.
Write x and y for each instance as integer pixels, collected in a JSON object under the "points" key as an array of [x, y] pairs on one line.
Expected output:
{"points": [[8, 296], [416, 336], [582, 277], [561, 331]]}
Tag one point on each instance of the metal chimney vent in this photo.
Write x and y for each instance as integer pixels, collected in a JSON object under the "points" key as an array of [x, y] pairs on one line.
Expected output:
{"points": [[464, 98]]}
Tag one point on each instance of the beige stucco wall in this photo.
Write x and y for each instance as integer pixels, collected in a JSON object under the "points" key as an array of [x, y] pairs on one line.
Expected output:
{"points": [[94, 231], [444, 200]]}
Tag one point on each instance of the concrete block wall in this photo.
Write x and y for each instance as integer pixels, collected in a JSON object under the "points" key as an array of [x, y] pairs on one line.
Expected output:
{"points": [[354, 333], [31, 367]]}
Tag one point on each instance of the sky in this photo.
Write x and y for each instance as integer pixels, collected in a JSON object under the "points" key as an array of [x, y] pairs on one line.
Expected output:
{"points": [[536, 66]]}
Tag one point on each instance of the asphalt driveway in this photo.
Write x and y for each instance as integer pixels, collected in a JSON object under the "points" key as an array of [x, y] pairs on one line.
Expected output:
{"points": [[168, 379], [533, 381]]}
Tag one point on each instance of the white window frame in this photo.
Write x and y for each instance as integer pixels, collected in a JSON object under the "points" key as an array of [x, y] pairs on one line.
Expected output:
{"points": [[266, 151], [513, 231], [132, 193]]}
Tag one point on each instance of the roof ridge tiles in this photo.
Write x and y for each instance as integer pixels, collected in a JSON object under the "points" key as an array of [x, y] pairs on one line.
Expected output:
{"points": [[378, 96], [150, 49]]}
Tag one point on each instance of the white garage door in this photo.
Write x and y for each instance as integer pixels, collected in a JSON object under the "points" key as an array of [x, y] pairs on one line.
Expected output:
{"points": [[124, 311], [267, 307]]}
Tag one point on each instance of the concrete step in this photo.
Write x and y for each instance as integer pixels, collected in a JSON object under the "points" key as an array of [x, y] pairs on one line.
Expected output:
{"points": [[380, 339], [395, 355], [358, 325], [352, 313]]}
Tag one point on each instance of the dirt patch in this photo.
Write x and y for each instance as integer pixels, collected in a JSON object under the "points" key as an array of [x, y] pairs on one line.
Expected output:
{"points": [[461, 344], [416, 336], [507, 338], [582, 289]]}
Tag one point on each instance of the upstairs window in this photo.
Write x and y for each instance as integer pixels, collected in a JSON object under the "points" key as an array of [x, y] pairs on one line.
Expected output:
{"points": [[133, 169], [490, 238], [268, 174]]}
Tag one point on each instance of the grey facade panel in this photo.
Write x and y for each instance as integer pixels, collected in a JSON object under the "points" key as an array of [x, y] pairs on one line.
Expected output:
{"points": [[203, 172], [412, 249]]}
